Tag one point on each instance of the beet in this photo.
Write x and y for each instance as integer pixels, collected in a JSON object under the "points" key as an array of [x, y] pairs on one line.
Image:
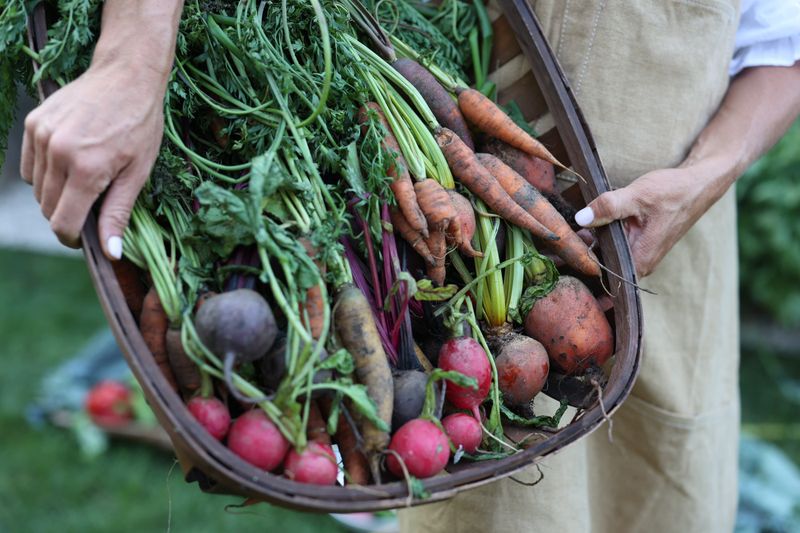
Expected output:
{"points": [[409, 396], [212, 415], [522, 369], [238, 326], [465, 355], [463, 430]]}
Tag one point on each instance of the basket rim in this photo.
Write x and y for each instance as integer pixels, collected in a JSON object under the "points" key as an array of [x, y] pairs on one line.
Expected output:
{"points": [[223, 471]]}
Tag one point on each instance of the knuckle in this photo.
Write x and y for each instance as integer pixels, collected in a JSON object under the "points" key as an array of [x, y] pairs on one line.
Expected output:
{"points": [[61, 147], [41, 134], [65, 230]]}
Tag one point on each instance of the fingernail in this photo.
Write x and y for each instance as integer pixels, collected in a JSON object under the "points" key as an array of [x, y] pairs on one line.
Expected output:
{"points": [[114, 246], [585, 216]]}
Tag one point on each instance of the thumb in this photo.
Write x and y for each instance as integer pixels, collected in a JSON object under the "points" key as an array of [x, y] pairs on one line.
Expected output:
{"points": [[116, 210], [609, 206]]}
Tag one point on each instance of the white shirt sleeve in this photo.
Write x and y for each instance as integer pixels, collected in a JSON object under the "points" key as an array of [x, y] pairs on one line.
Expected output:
{"points": [[768, 34]]}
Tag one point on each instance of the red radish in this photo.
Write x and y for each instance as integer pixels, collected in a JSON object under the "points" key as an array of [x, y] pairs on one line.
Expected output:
{"points": [[465, 355], [109, 404], [463, 430], [522, 368], [422, 446], [315, 465], [212, 415], [254, 438]]}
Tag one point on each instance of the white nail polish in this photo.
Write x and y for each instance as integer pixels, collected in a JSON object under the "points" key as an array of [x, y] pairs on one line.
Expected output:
{"points": [[585, 216], [114, 246]]}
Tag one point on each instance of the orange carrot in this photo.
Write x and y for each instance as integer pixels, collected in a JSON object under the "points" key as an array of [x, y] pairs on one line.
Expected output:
{"points": [[402, 186], [411, 236], [462, 227], [570, 247], [355, 462], [435, 203], [186, 372], [537, 172], [487, 117], [314, 306], [470, 172], [154, 323], [438, 247], [438, 99], [130, 281]]}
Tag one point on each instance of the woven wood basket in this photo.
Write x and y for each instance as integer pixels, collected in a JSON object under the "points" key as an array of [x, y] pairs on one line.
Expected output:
{"points": [[543, 90]]}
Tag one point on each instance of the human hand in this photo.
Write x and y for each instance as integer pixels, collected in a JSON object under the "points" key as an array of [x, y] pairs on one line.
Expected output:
{"points": [[100, 132], [656, 209]]}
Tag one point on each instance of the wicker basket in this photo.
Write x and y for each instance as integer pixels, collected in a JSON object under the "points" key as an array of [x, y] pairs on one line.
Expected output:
{"points": [[218, 470]]}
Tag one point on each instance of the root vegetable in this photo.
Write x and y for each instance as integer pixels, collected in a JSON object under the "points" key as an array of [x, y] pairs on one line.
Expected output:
{"points": [[462, 227], [108, 404], [435, 204], [355, 325], [465, 355], [522, 369], [442, 105], [569, 246], [130, 281], [254, 438], [463, 430], [212, 415], [422, 446], [315, 465], [186, 372], [237, 326], [409, 396], [154, 324], [572, 327], [537, 172], [481, 183], [411, 236]]}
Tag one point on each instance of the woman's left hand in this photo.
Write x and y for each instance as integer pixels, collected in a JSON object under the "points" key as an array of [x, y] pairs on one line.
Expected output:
{"points": [[656, 209]]}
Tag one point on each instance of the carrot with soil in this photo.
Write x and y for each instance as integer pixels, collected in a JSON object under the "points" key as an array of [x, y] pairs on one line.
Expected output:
{"points": [[487, 117], [442, 105], [536, 171], [481, 183], [411, 236], [130, 282], [462, 227], [570, 247]]}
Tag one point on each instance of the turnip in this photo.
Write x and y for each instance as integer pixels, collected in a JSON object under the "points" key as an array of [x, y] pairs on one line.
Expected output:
{"points": [[463, 430], [522, 368], [423, 448], [466, 356], [316, 465], [212, 415], [254, 438], [237, 326]]}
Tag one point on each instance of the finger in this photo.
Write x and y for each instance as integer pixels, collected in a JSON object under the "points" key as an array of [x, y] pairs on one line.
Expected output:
{"points": [[82, 188], [609, 206], [54, 179], [41, 138], [27, 156], [116, 209]]}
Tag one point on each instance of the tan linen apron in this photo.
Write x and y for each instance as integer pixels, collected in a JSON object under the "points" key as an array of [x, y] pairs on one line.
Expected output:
{"points": [[648, 74]]}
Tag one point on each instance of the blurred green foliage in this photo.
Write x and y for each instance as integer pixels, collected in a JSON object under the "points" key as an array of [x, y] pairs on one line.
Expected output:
{"points": [[769, 231]]}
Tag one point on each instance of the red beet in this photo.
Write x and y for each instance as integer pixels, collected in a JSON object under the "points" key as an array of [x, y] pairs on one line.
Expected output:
{"points": [[522, 369]]}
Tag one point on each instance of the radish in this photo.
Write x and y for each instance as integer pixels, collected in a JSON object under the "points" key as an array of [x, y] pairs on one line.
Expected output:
{"points": [[315, 465], [522, 368], [465, 355], [254, 438], [463, 430], [212, 415], [422, 446], [109, 404]]}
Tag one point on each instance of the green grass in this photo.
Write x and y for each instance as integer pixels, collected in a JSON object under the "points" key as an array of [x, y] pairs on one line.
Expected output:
{"points": [[48, 310]]}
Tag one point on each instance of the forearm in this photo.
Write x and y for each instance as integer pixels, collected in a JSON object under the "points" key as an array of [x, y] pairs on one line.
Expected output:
{"points": [[760, 105], [139, 34]]}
